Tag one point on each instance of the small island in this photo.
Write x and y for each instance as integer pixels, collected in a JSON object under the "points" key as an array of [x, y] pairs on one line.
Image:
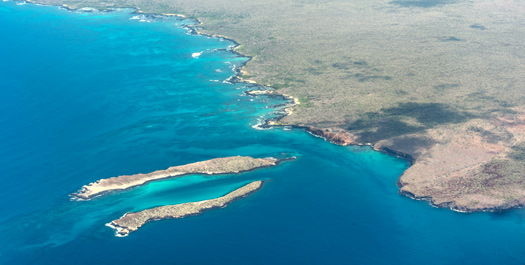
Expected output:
{"points": [[133, 221], [225, 165]]}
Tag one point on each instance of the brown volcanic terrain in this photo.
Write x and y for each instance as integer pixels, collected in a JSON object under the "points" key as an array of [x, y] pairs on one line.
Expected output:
{"points": [[225, 165], [439, 80], [474, 170]]}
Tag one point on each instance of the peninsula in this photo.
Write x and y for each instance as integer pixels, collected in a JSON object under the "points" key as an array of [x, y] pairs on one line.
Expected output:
{"points": [[225, 165], [133, 221]]}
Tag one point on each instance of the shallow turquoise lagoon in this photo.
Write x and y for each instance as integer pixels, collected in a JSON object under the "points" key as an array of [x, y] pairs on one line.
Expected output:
{"points": [[85, 96]]}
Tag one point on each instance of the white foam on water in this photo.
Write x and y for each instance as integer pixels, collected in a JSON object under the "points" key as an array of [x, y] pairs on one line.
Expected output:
{"points": [[117, 230], [141, 18], [257, 127], [196, 54]]}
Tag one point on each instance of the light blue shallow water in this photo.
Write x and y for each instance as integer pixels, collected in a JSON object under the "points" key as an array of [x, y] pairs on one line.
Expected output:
{"points": [[90, 96]]}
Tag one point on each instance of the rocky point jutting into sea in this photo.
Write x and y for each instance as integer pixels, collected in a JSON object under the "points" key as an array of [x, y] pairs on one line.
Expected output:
{"points": [[225, 165], [133, 221]]}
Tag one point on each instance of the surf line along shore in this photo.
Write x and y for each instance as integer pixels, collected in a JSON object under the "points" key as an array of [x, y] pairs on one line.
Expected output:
{"points": [[216, 166], [133, 221]]}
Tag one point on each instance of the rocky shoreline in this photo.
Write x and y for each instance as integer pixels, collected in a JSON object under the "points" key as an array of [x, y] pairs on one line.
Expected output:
{"points": [[489, 201], [226, 165], [420, 163], [343, 138], [462, 209], [131, 222]]}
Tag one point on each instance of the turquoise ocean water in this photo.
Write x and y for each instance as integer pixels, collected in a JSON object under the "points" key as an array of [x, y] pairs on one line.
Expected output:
{"points": [[85, 96]]}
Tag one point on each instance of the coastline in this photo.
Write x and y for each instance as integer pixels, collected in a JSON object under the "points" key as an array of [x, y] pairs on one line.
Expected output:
{"points": [[235, 78], [342, 137], [345, 139], [238, 70], [154, 106], [333, 138], [454, 207]]}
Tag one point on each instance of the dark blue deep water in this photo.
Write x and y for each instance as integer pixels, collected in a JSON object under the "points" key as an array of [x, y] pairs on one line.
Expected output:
{"points": [[85, 96]]}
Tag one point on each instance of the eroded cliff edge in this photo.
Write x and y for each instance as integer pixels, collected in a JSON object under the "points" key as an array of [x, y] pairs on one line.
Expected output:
{"points": [[224, 165], [133, 221], [468, 167]]}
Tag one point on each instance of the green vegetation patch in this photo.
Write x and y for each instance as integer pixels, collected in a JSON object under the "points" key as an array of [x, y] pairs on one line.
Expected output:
{"points": [[478, 26], [518, 152], [392, 122], [412, 145], [305, 102], [501, 172]]}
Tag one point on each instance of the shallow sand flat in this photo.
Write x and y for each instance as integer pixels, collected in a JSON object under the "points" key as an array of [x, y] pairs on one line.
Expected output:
{"points": [[133, 221], [226, 165]]}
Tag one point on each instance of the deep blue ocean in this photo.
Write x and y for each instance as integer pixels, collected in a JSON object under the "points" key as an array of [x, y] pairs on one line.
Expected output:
{"points": [[85, 96]]}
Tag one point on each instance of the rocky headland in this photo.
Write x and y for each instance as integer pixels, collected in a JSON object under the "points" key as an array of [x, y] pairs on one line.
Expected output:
{"points": [[471, 167], [133, 221], [225, 165]]}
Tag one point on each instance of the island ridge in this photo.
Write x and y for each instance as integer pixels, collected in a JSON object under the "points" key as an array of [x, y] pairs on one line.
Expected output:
{"points": [[225, 165], [133, 221]]}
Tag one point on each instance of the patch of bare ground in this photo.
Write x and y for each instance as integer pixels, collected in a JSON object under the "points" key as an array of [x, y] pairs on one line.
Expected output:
{"points": [[475, 166]]}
